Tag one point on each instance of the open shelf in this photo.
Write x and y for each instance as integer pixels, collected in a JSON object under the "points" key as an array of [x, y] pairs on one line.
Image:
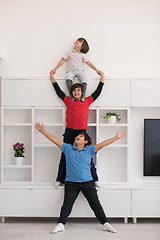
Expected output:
{"points": [[112, 165], [17, 116], [12, 135], [46, 164], [17, 175], [49, 116], [123, 115], [109, 132], [55, 130]]}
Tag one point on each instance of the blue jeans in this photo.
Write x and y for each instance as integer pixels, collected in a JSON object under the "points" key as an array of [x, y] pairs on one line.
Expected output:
{"points": [[69, 137]]}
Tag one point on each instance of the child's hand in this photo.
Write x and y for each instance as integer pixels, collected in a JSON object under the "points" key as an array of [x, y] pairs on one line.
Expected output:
{"points": [[102, 76], [51, 76], [39, 127], [98, 72], [120, 134], [54, 71], [101, 73]]}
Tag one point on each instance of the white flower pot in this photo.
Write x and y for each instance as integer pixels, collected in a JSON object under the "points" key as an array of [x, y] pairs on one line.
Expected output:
{"points": [[18, 160], [112, 120]]}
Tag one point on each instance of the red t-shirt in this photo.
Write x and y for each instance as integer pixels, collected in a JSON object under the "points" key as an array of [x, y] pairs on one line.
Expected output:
{"points": [[77, 112]]}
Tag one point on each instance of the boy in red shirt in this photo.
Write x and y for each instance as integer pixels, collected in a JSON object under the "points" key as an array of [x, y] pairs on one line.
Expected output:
{"points": [[76, 120]]}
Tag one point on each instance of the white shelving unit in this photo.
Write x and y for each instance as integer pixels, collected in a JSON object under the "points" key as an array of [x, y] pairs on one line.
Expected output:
{"points": [[42, 157], [119, 165], [17, 125]]}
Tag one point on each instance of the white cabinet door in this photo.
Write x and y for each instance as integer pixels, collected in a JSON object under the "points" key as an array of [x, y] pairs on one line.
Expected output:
{"points": [[146, 203], [115, 93], [30, 203], [39, 203], [145, 93], [116, 203], [30, 93]]}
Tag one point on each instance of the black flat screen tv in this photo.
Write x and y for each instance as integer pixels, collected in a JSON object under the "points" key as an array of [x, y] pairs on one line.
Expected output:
{"points": [[151, 147]]}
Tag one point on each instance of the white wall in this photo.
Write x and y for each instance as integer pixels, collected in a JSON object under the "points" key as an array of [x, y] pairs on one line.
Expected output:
{"points": [[124, 36]]}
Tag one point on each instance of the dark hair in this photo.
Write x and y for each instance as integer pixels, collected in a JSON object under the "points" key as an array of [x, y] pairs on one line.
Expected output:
{"points": [[86, 138], [76, 85], [85, 46]]}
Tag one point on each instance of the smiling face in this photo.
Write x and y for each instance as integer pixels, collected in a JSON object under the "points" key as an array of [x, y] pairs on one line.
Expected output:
{"points": [[80, 140], [77, 93]]}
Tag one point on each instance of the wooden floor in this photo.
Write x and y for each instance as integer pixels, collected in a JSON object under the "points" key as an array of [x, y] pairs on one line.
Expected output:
{"points": [[78, 229]]}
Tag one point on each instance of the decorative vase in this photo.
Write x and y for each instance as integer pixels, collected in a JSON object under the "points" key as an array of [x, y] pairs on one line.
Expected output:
{"points": [[112, 120], [18, 160]]}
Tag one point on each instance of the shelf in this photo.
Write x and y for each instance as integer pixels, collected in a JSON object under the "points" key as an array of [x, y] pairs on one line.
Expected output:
{"points": [[17, 166], [17, 184], [113, 125], [92, 124], [17, 124], [114, 145], [52, 145], [53, 124]]}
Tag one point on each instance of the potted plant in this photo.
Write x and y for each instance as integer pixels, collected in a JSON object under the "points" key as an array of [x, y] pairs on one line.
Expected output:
{"points": [[18, 153], [112, 117]]}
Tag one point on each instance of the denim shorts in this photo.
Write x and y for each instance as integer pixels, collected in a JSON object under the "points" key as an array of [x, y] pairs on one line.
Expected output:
{"points": [[80, 74]]}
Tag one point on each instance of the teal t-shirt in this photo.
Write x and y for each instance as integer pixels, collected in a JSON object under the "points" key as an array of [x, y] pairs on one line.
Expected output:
{"points": [[78, 163]]}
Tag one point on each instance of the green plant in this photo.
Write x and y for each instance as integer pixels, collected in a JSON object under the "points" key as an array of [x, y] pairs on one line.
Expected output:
{"points": [[109, 114], [18, 150]]}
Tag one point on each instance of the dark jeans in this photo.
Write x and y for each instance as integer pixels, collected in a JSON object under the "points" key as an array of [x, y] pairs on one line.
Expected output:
{"points": [[69, 137], [72, 189]]}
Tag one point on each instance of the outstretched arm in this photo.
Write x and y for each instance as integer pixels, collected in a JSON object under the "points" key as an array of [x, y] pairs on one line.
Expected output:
{"points": [[98, 91], [118, 136], [52, 138], [93, 67], [59, 65], [59, 92]]}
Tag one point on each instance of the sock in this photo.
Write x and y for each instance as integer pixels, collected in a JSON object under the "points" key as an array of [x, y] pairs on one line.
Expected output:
{"points": [[109, 228], [97, 184], [69, 85], [57, 184], [59, 228], [84, 91]]}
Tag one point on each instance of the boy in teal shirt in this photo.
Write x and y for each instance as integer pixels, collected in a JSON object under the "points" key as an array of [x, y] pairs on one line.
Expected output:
{"points": [[78, 177]]}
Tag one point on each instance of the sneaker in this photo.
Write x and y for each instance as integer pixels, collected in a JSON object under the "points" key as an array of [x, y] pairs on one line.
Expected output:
{"points": [[97, 184], [59, 228], [109, 228], [73, 99], [83, 98], [57, 184]]}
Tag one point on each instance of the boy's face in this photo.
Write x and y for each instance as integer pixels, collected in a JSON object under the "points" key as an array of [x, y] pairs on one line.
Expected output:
{"points": [[78, 44], [80, 140], [77, 93]]}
